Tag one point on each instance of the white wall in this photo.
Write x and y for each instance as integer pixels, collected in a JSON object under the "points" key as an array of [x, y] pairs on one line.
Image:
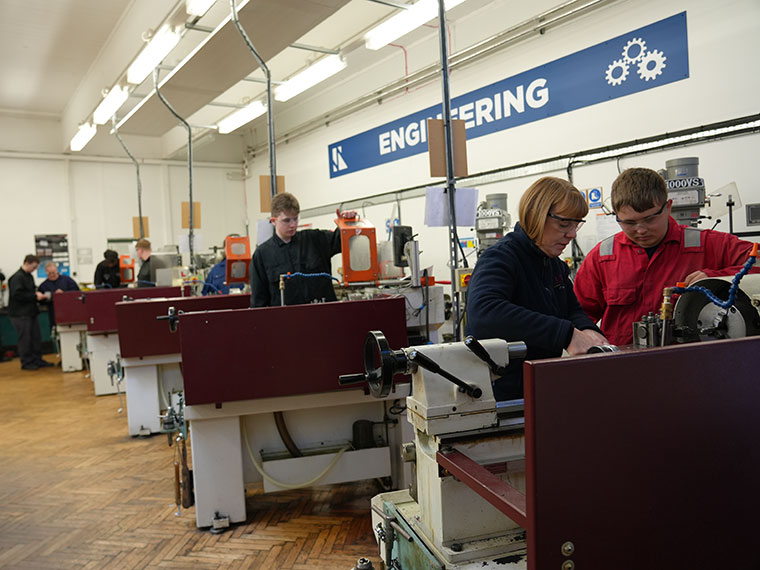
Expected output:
{"points": [[93, 200], [723, 41]]}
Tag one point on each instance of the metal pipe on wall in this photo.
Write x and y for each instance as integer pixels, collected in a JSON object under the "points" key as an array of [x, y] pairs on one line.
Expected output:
{"points": [[137, 170], [189, 165], [450, 181], [270, 106]]}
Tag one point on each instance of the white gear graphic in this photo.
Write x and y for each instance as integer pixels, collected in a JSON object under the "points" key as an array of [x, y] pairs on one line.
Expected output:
{"points": [[612, 79], [627, 50], [655, 57]]}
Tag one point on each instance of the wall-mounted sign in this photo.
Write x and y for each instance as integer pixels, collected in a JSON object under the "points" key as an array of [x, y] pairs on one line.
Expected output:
{"points": [[642, 59], [594, 197], [55, 248]]}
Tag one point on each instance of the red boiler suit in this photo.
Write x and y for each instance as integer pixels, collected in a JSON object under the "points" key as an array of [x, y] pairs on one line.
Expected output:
{"points": [[618, 282]]}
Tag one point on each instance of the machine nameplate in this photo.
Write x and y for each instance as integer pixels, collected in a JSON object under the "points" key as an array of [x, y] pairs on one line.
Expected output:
{"points": [[685, 198], [488, 223], [686, 182]]}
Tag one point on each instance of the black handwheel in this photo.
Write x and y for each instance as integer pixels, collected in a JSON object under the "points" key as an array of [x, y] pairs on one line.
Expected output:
{"points": [[379, 364]]}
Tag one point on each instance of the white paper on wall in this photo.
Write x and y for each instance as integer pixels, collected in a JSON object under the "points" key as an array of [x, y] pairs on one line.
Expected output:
{"points": [[437, 206], [605, 226], [184, 243], [264, 230]]}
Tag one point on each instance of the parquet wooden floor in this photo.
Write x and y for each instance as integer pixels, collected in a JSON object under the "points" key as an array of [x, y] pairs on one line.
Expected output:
{"points": [[76, 491]]}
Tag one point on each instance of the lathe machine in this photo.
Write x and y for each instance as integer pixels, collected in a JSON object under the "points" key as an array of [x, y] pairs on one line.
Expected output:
{"points": [[150, 354], [264, 403], [643, 459]]}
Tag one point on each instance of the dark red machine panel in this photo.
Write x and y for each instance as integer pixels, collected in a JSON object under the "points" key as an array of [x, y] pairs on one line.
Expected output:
{"points": [[142, 334], [69, 308], [282, 351], [101, 304], [645, 460]]}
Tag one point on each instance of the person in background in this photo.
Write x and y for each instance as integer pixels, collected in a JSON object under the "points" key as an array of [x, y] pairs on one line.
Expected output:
{"points": [[55, 283], [521, 291], [623, 276], [215, 280], [142, 247], [107, 271], [23, 311], [291, 251], [2, 350]]}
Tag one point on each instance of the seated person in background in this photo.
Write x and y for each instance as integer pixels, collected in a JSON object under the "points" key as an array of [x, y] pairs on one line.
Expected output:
{"points": [[215, 284], [144, 276], [55, 283], [107, 271], [622, 278], [521, 291], [288, 250]]}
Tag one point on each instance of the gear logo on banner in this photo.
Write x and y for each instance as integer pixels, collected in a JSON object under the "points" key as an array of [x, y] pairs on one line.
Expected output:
{"points": [[649, 64]]}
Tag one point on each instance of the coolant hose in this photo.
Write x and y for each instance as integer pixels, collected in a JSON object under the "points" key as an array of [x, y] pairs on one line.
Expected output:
{"points": [[282, 429], [281, 484]]}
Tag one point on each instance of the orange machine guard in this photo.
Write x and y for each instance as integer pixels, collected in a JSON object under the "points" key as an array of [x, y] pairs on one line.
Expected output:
{"points": [[358, 244], [127, 268], [238, 251]]}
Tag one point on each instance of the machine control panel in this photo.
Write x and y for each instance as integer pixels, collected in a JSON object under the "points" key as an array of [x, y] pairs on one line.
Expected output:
{"points": [[753, 214], [463, 279]]}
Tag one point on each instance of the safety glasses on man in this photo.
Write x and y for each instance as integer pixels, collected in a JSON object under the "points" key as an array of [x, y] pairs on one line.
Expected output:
{"points": [[645, 221]]}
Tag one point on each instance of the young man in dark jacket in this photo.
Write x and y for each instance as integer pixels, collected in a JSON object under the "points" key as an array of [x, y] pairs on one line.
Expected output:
{"points": [[107, 271], [23, 311], [292, 251]]}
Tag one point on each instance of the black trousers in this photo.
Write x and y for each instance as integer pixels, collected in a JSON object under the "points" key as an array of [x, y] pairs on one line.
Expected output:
{"points": [[29, 339]]}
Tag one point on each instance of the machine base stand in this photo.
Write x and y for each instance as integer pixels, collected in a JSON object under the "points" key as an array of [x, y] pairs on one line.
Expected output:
{"points": [[363, 564], [506, 552], [219, 524]]}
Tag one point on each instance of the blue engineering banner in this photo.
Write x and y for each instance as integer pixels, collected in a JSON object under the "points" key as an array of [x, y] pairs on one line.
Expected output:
{"points": [[642, 59]]}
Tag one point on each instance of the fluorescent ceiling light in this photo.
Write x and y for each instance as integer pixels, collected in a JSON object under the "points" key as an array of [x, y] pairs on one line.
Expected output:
{"points": [[83, 136], [198, 7], [240, 117], [309, 77], [157, 49], [404, 22], [110, 104]]}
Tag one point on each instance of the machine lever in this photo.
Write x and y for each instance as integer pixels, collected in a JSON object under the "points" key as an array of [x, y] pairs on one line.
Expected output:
{"points": [[172, 317], [429, 364], [346, 379], [479, 350]]}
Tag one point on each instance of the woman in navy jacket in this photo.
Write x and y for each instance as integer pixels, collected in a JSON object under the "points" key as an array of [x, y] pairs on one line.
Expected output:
{"points": [[521, 291]]}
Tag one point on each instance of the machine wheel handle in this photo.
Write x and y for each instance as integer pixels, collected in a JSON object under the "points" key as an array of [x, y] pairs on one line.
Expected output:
{"points": [[428, 364], [479, 350], [381, 364]]}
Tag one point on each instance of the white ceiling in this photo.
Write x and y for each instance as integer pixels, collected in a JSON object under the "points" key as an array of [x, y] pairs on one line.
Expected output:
{"points": [[47, 46], [57, 57]]}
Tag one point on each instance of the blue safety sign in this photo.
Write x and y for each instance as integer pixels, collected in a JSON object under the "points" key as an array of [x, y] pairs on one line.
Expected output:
{"points": [[642, 59], [595, 198]]}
